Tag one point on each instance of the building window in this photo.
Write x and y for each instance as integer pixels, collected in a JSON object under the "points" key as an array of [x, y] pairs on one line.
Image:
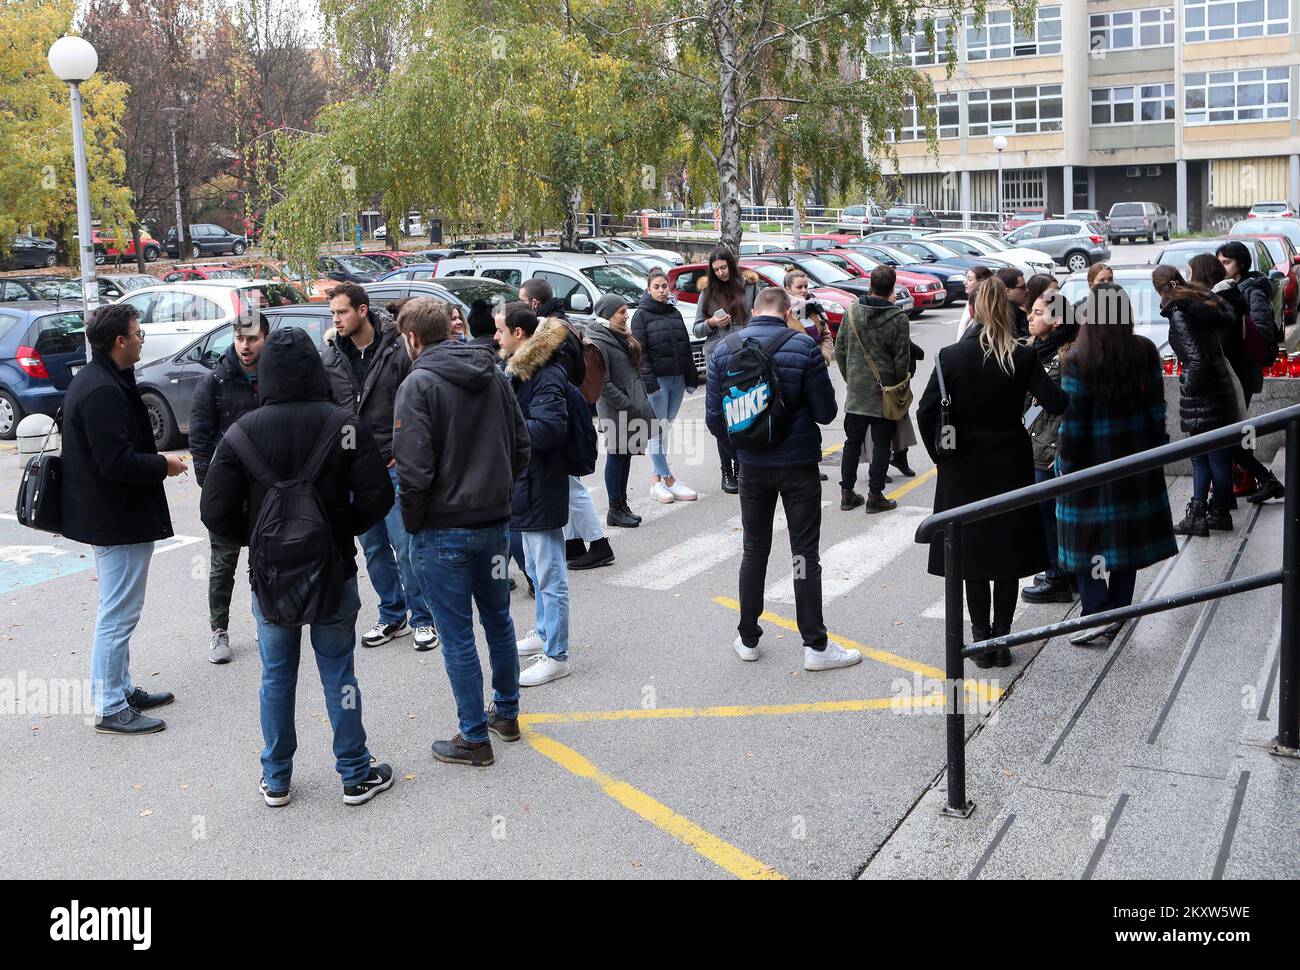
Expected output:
{"points": [[1217, 97], [1232, 19], [944, 116], [914, 48], [996, 37], [1015, 111], [1134, 104], [1024, 188], [1123, 30]]}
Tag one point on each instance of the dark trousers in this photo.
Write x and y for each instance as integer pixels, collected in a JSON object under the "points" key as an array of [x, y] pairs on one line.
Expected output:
{"points": [[1100, 595], [727, 456], [799, 488], [1216, 467], [517, 550], [882, 445], [1245, 458], [1048, 510], [617, 470], [221, 580], [998, 596]]}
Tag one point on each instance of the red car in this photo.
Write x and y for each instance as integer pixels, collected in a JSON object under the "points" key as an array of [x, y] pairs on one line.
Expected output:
{"points": [[391, 259], [210, 271], [1023, 217], [1285, 260], [927, 292], [683, 280], [107, 247]]}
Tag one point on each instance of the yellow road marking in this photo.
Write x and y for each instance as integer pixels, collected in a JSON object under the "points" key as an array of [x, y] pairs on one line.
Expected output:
{"points": [[827, 452], [674, 713], [917, 482], [721, 853], [981, 690]]}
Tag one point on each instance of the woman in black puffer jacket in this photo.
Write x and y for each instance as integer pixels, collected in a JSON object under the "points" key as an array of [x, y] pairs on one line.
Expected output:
{"points": [[668, 370], [1208, 391]]}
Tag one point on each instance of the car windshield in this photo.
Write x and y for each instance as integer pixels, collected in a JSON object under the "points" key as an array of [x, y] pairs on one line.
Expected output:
{"points": [[897, 255], [134, 282], [1147, 321], [862, 261], [940, 250], [962, 247], [1282, 227], [275, 294], [1036, 213], [1269, 207], [1180, 256], [823, 272], [1126, 209], [234, 273], [630, 245], [617, 280], [989, 243], [360, 264], [56, 289], [472, 288]]}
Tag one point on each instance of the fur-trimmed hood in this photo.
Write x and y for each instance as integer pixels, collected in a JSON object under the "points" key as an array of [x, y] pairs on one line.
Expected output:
{"points": [[540, 350], [748, 278]]}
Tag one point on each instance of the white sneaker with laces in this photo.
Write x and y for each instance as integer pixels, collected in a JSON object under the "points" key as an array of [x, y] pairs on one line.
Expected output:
{"points": [[543, 671], [426, 638], [745, 653], [531, 645], [683, 493], [662, 494], [382, 632], [833, 656]]}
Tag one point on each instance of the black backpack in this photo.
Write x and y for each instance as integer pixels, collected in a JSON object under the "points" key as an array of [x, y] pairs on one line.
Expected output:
{"points": [[293, 563], [753, 406]]}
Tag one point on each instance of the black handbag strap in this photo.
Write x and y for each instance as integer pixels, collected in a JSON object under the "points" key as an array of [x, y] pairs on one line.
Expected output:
{"points": [[54, 423], [938, 372]]}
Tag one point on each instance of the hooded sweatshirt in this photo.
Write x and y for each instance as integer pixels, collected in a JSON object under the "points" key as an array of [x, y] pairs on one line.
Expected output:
{"points": [[459, 439]]}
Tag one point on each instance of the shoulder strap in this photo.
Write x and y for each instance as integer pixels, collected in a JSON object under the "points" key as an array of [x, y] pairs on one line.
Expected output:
{"points": [[938, 372], [249, 456], [780, 341], [324, 444], [853, 325], [733, 341]]}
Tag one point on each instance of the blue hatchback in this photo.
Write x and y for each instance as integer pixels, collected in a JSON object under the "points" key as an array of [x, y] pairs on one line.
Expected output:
{"points": [[41, 343]]}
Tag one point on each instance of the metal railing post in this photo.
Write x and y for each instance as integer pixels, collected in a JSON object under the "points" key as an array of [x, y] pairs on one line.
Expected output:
{"points": [[954, 672], [1288, 699]]}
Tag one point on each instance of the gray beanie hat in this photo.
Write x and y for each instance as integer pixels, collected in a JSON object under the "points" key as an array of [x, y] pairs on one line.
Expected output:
{"points": [[608, 305]]}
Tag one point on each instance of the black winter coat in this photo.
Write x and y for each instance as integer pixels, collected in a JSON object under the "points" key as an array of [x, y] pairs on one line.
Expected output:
{"points": [[994, 455], [459, 440], [541, 498], [1206, 396], [665, 343], [112, 472], [354, 487], [1234, 342], [1259, 291], [223, 397], [373, 400]]}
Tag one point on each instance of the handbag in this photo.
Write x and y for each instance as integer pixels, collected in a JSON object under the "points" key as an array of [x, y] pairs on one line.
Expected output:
{"points": [[945, 440], [895, 400], [1258, 351], [40, 493]]}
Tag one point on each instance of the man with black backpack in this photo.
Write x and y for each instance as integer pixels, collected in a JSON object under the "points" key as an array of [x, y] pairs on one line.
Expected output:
{"points": [[296, 480], [768, 389], [540, 508]]}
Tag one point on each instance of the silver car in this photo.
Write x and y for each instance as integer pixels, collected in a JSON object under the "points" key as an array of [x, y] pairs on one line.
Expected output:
{"points": [[1138, 220], [1075, 245]]}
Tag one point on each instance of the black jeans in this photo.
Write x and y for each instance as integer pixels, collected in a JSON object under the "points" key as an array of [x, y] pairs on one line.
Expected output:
{"points": [[617, 469], [799, 488], [221, 580], [1001, 599], [882, 445], [1100, 595], [727, 456], [1048, 510]]}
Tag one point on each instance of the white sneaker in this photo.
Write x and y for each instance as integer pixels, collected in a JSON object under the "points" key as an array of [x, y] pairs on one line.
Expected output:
{"points": [[833, 656], [426, 638], [683, 493], [382, 632], [543, 671], [745, 653], [531, 645], [662, 493]]}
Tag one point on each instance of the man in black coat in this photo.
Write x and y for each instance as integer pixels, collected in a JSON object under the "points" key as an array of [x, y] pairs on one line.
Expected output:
{"points": [[457, 489], [222, 397], [365, 363], [355, 493], [113, 500], [1014, 281]]}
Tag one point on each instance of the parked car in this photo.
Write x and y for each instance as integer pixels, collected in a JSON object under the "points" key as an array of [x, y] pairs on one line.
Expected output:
{"points": [[953, 278], [109, 246], [208, 271], [40, 345], [458, 291], [773, 244], [825, 273], [1180, 253], [929, 251], [349, 269], [1282, 227], [926, 291], [1136, 281], [1285, 260], [1138, 220], [113, 286], [1282, 210], [987, 246], [817, 240], [29, 252], [618, 245], [414, 227], [204, 239], [62, 289], [899, 232], [1087, 215], [859, 217], [909, 214], [643, 263], [1075, 245], [1024, 216], [416, 271]]}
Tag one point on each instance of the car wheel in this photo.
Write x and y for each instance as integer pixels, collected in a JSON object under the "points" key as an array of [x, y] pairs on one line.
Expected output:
{"points": [[195, 251], [50, 260], [237, 249], [10, 414], [161, 421], [1165, 235], [1077, 262], [150, 254], [1151, 237]]}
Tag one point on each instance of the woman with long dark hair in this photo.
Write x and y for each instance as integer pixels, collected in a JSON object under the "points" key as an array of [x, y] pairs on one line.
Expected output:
{"points": [[974, 277], [726, 302], [987, 375], [1115, 386]]}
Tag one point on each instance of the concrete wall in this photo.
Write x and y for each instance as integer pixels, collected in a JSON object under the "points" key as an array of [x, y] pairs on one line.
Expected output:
{"points": [[1278, 393]]}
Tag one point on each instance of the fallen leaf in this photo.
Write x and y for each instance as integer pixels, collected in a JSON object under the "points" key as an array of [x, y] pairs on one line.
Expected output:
{"points": [[408, 777], [1008, 772], [185, 787], [137, 787], [146, 812]]}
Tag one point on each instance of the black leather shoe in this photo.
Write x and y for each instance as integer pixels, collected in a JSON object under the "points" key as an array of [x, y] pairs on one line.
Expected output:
{"points": [[1048, 591], [984, 660], [1268, 488], [729, 483], [600, 554], [899, 461], [142, 700], [1218, 519], [507, 729], [573, 548], [1193, 523], [850, 500], [1002, 656], [458, 751], [129, 721], [876, 502]]}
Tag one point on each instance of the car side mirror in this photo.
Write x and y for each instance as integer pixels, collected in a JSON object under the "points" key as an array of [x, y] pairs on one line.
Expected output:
{"points": [[338, 277], [1277, 276], [1296, 259], [579, 302]]}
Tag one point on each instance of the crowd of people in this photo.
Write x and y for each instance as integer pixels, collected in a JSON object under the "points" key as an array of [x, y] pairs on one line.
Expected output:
{"points": [[300, 454]]}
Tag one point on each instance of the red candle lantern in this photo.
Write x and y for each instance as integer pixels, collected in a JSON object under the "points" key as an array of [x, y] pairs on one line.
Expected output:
{"points": [[1293, 366]]}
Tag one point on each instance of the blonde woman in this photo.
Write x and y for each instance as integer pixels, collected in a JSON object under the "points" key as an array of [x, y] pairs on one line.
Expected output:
{"points": [[987, 375], [808, 313]]}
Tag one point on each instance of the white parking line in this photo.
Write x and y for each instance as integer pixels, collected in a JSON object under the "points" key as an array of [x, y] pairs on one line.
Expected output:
{"points": [[688, 559]]}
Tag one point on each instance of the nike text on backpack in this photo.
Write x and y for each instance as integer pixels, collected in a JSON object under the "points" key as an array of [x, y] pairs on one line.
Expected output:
{"points": [[293, 562], [753, 407]]}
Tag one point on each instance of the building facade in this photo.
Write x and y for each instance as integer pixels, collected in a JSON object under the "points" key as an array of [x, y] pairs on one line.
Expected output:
{"points": [[1193, 104]]}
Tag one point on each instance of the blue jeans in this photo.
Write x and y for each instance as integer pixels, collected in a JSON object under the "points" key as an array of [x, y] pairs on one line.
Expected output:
{"points": [[123, 573], [388, 563], [1048, 510], [1100, 595], [584, 522], [666, 401], [1216, 467], [461, 569], [617, 470], [333, 642], [544, 554]]}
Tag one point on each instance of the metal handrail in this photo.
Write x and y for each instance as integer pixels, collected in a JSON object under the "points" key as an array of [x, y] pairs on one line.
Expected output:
{"points": [[952, 521]]}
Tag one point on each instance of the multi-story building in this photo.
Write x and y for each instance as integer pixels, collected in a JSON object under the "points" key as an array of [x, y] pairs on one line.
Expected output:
{"points": [[1192, 104]]}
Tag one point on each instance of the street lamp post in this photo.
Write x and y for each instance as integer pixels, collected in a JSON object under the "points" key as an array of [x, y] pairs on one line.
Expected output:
{"points": [[1000, 145], [73, 60], [176, 182]]}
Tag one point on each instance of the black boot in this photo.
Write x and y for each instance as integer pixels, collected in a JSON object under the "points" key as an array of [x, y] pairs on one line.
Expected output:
{"points": [[621, 517], [1045, 590], [1193, 523], [1002, 656], [977, 633], [573, 549], [1218, 518], [729, 483], [876, 502], [849, 499], [600, 554], [899, 461], [1268, 487]]}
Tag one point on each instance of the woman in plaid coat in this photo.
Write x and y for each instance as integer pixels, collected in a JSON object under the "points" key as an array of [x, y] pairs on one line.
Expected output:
{"points": [[1115, 384]]}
